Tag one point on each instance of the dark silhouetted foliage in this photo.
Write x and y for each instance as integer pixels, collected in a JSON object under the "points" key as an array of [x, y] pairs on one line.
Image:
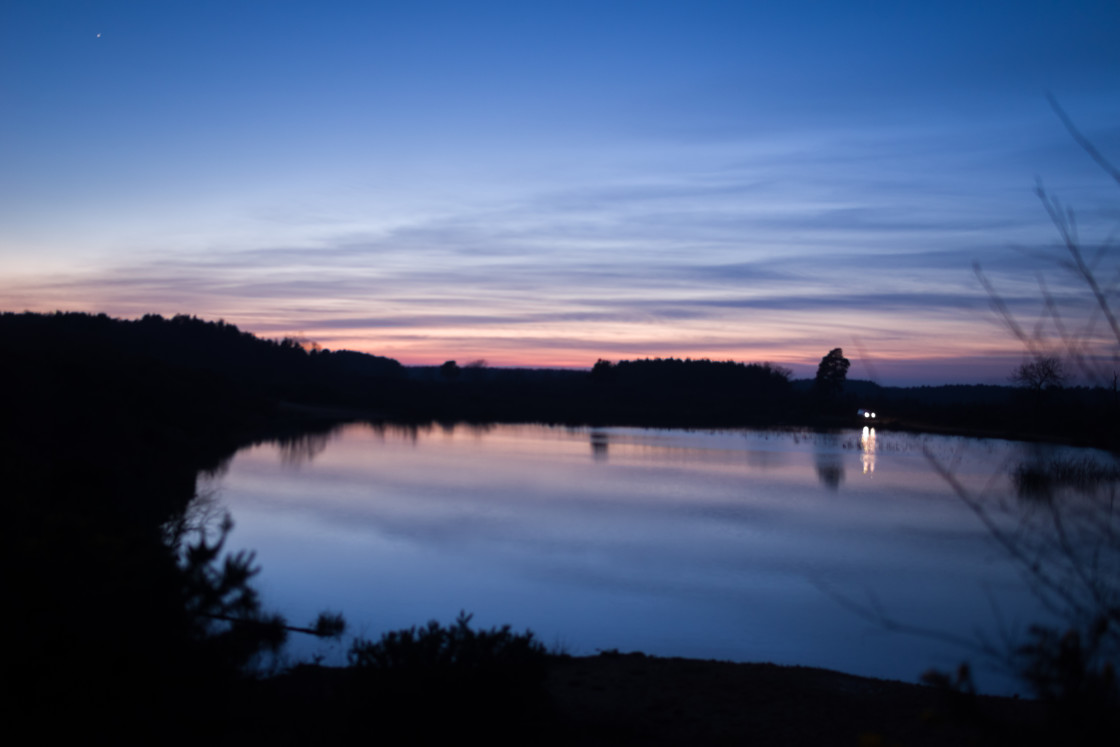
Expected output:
{"points": [[832, 373], [437, 649], [603, 370], [1044, 372], [329, 625], [449, 370], [129, 624], [443, 681]]}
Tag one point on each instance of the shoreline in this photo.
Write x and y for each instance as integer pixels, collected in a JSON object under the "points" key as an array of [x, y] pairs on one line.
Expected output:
{"points": [[635, 699]]}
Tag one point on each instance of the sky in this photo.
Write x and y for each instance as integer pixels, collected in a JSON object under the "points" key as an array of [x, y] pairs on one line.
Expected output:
{"points": [[550, 183]]}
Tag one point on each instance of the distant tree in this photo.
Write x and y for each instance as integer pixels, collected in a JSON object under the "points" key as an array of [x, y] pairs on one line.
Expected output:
{"points": [[603, 370], [303, 342], [1044, 372], [449, 370], [777, 370], [832, 373]]}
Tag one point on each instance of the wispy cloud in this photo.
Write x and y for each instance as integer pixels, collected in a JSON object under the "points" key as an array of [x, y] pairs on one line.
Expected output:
{"points": [[529, 286], [735, 182]]}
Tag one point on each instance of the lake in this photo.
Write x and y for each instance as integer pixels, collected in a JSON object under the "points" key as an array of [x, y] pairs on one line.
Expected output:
{"points": [[788, 547]]}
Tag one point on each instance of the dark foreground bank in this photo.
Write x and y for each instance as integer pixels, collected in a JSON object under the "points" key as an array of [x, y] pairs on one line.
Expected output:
{"points": [[632, 699]]}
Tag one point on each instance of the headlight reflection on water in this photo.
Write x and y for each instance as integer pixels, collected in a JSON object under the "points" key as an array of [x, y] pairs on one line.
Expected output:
{"points": [[867, 447]]}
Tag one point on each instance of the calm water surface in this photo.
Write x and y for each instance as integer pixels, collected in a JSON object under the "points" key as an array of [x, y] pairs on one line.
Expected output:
{"points": [[740, 545]]}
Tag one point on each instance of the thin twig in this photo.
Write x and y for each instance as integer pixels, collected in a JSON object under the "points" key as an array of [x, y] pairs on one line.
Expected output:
{"points": [[1083, 141]]}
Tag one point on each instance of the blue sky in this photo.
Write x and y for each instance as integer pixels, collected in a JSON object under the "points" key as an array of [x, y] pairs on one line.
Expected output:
{"points": [[549, 183]]}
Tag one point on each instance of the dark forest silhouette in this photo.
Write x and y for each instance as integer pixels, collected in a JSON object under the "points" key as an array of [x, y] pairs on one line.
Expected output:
{"points": [[212, 377]]}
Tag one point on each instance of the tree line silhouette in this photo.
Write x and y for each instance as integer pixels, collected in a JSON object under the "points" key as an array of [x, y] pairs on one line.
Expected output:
{"points": [[225, 380]]}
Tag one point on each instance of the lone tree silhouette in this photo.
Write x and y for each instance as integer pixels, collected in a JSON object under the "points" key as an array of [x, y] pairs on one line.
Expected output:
{"points": [[1044, 372], [449, 370], [832, 373]]}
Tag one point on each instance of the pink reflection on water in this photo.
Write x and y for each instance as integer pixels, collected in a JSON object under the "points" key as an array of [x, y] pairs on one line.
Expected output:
{"points": [[707, 544]]}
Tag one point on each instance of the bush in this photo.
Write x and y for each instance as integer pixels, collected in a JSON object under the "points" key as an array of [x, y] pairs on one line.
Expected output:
{"points": [[453, 650], [437, 681]]}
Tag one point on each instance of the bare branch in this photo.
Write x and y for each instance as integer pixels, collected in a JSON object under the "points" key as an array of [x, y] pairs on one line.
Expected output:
{"points": [[1001, 308], [873, 612], [1083, 141], [1068, 232]]}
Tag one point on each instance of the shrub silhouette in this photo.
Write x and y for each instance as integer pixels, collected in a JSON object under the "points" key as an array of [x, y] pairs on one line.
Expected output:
{"points": [[456, 649], [487, 680]]}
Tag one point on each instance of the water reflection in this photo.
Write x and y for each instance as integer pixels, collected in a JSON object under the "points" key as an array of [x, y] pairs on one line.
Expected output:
{"points": [[767, 459], [404, 431], [599, 444], [1044, 476], [829, 461], [298, 450], [867, 450], [1062, 528], [705, 544]]}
